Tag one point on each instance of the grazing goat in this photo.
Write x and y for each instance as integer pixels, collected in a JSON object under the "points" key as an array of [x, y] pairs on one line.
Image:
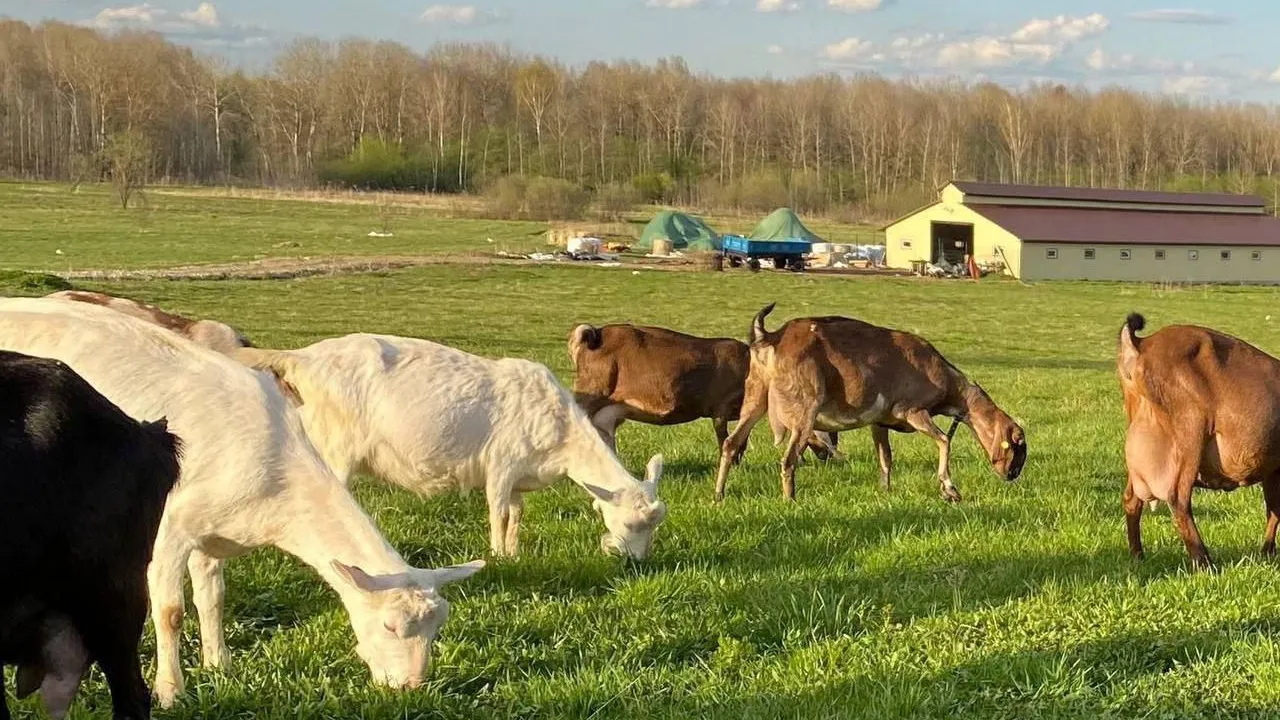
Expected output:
{"points": [[661, 377], [1204, 411], [209, 333], [83, 487], [835, 374], [428, 417], [250, 477]]}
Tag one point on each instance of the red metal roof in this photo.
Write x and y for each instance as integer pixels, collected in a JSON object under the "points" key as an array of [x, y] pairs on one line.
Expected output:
{"points": [[1043, 192], [1132, 227]]}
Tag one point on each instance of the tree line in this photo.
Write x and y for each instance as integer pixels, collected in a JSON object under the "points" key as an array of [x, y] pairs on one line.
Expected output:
{"points": [[461, 116]]}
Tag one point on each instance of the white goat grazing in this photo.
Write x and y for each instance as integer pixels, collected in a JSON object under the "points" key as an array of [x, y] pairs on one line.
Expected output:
{"points": [[250, 477], [428, 417]]}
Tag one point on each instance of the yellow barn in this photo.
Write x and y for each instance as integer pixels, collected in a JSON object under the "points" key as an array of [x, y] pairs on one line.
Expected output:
{"points": [[1060, 233]]}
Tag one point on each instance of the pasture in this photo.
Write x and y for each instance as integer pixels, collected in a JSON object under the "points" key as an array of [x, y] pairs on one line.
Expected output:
{"points": [[1019, 602]]}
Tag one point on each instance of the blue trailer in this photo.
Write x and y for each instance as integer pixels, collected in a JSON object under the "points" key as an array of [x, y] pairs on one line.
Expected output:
{"points": [[786, 254]]}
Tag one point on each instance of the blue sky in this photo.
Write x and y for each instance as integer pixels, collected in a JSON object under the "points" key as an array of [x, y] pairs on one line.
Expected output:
{"points": [[1222, 49]]}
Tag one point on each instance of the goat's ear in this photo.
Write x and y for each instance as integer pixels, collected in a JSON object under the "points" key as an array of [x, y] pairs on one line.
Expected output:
{"points": [[653, 470], [440, 577], [364, 582], [599, 493]]}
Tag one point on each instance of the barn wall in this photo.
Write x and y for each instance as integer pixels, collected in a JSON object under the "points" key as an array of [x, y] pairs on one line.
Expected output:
{"points": [[1142, 265], [909, 239]]}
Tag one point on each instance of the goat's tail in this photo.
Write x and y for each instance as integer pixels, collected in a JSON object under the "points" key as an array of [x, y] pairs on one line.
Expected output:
{"points": [[758, 333], [168, 460], [282, 364], [584, 337], [1127, 356]]}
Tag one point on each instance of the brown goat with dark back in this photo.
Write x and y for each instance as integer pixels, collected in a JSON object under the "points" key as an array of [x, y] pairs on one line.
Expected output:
{"points": [[660, 377], [832, 374], [1204, 411]]}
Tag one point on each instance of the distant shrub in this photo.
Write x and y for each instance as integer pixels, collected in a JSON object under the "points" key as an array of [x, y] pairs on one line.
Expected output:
{"points": [[763, 191], [536, 198], [504, 199], [378, 165], [615, 199], [808, 195], [554, 199], [653, 187]]}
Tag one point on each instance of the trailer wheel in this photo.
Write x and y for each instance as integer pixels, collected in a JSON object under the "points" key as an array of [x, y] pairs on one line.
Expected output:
{"points": [[780, 262], [753, 265], [735, 261], [797, 264]]}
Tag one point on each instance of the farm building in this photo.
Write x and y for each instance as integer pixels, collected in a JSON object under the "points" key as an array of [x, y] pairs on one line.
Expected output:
{"points": [[1059, 233]]}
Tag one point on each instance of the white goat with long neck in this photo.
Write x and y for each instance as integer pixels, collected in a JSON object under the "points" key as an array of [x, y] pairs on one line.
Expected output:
{"points": [[250, 477], [428, 417]]}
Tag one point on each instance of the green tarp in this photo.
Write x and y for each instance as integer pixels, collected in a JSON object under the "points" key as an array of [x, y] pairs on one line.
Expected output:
{"points": [[684, 231], [783, 224]]}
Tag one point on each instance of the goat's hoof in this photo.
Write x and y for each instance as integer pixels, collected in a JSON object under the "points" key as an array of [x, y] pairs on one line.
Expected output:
{"points": [[951, 495], [166, 694]]}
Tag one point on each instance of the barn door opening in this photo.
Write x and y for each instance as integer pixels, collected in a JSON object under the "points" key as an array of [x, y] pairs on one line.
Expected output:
{"points": [[951, 243]]}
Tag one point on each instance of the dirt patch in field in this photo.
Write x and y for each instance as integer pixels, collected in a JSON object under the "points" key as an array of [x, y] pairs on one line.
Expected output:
{"points": [[287, 268]]}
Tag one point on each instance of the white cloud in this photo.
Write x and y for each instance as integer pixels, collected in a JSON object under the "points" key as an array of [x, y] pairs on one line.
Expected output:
{"points": [[456, 15], [988, 52], [1192, 85], [144, 14], [674, 4], [1182, 15], [205, 16], [848, 49], [202, 25], [1061, 29], [768, 6], [777, 50], [1275, 76], [854, 6], [1036, 43]]}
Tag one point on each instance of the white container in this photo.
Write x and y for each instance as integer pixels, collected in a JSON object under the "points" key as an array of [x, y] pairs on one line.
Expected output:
{"points": [[821, 249], [587, 245]]}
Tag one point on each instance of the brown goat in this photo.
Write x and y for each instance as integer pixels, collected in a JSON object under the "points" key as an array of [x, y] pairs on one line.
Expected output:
{"points": [[209, 333], [833, 374], [1203, 411], [658, 376]]}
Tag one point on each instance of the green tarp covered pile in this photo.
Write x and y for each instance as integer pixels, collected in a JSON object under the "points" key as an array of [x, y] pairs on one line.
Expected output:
{"points": [[684, 231], [783, 224]]}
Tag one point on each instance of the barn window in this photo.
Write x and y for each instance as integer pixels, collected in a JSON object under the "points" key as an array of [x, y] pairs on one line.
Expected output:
{"points": [[1226, 254], [1090, 253], [1255, 255], [906, 243], [1159, 254], [1193, 254], [1051, 254], [1125, 254]]}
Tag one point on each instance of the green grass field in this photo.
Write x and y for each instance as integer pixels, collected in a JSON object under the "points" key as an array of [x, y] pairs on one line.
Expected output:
{"points": [[1020, 602]]}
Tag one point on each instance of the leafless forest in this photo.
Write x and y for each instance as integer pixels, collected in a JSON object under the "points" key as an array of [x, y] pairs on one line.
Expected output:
{"points": [[462, 116]]}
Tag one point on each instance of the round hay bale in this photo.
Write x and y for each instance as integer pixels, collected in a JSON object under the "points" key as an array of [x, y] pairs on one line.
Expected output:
{"points": [[661, 246]]}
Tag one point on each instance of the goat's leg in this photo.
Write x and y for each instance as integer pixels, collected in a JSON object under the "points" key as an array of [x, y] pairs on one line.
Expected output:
{"points": [[922, 422], [1271, 496], [791, 458], [111, 632], [209, 590], [1183, 518], [498, 495], [164, 582], [607, 420], [1133, 506], [884, 453], [515, 513], [731, 450]]}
